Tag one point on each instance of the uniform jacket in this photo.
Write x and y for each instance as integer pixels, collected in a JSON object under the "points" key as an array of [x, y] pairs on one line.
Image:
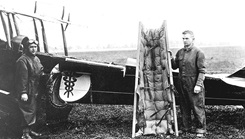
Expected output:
{"points": [[191, 63], [28, 71]]}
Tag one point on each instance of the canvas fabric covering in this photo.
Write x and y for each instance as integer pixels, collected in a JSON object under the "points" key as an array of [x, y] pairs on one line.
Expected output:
{"points": [[154, 112]]}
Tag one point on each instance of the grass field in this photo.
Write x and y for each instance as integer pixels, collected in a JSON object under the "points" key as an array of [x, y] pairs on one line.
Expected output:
{"points": [[115, 121], [218, 59]]}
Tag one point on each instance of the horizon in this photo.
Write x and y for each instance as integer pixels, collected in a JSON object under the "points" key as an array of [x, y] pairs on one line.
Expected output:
{"points": [[99, 24], [135, 49]]}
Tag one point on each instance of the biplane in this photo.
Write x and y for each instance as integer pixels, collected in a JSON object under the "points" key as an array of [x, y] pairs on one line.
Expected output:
{"points": [[72, 80]]}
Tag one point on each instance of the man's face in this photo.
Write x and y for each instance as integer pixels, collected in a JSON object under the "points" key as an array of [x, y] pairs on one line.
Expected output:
{"points": [[187, 39], [32, 49]]}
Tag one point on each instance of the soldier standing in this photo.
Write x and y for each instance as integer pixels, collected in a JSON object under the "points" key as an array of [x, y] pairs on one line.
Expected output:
{"points": [[28, 72], [190, 60]]}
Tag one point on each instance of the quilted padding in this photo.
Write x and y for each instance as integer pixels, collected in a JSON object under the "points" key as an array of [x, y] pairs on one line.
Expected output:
{"points": [[155, 97]]}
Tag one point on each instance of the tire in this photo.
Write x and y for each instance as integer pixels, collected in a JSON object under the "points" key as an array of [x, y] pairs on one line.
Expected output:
{"points": [[56, 109]]}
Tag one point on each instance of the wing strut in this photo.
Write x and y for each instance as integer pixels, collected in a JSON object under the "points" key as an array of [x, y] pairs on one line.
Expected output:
{"points": [[10, 26], [15, 24], [35, 26], [5, 29], [63, 32]]}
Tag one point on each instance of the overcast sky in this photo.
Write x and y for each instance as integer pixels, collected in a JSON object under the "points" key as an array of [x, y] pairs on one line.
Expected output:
{"points": [[115, 22]]}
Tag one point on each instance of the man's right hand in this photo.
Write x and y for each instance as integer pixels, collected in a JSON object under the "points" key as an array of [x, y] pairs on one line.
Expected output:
{"points": [[24, 97]]}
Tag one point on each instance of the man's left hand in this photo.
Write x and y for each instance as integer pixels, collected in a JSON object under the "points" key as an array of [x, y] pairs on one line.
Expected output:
{"points": [[197, 89]]}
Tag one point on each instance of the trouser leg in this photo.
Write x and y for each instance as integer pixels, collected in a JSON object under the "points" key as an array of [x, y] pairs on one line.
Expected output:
{"points": [[185, 109], [199, 111], [193, 102]]}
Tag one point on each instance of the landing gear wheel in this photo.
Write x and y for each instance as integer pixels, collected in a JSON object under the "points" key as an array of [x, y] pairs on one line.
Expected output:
{"points": [[56, 109]]}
